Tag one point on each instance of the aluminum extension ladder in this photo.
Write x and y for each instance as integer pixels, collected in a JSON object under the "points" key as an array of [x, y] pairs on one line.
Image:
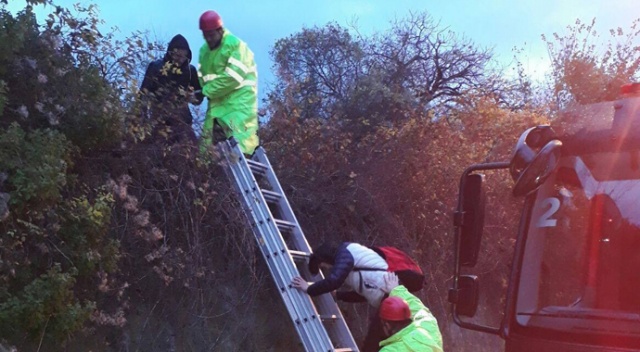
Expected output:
{"points": [[318, 321]]}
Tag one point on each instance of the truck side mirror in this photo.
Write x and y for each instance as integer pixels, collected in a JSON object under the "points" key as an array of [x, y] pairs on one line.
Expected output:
{"points": [[472, 225], [466, 297], [468, 221]]}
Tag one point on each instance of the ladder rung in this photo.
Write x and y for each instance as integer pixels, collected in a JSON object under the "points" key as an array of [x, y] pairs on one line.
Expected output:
{"points": [[271, 196], [256, 167], [284, 225], [299, 255], [328, 317]]}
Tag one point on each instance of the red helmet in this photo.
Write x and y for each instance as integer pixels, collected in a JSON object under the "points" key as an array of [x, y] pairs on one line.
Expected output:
{"points": [[394, 309], [210, 20]]}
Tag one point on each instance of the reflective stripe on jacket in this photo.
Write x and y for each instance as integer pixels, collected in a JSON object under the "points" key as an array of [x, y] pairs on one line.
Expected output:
{"points": [[423, 335], [228, 76]]}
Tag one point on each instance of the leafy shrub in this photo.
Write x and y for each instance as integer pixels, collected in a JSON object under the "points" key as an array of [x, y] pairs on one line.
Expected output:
{"points": [[36, 163], [46, 304]]}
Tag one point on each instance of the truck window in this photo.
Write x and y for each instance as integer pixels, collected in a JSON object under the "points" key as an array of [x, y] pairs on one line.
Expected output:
{"points": [[581, 262]]}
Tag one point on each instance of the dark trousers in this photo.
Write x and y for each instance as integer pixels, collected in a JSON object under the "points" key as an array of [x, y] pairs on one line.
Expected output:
{"points": [[375, 334], [218, 133], [172, 123]]}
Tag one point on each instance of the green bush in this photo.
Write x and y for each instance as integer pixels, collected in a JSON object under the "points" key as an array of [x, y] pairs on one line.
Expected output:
{"points": [[36, 163], [84, 227], [54, 239], [52, 83], [45, 306]]}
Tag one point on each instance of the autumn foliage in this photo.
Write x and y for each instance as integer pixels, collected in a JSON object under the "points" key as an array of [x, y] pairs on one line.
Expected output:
{"points": [[112, 239]]}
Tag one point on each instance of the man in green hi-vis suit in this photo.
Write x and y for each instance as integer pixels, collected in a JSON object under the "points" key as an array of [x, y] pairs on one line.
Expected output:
{"points": [[228, 77]]}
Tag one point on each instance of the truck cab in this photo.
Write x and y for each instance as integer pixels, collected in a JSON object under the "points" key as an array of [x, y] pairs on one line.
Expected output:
{"points": [[575, 275]]}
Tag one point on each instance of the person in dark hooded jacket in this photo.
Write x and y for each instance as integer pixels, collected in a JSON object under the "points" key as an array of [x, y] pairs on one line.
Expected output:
{"points": [[169, 85], [343, 262]]}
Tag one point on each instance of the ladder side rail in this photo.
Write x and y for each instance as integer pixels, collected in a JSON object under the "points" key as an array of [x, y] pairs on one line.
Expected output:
{"points": [[275, 253], [279, 246], [334, 320], [262, 215], [287, 213], [325, 303], [339, 328], [275, 245], [327, 306], [312, 340]]}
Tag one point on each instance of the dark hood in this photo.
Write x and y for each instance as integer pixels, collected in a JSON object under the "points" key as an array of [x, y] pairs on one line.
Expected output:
{"points": [[178, 42], [325, 253]]}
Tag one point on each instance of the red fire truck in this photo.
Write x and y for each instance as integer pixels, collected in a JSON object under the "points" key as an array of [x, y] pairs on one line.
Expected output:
{"points": [[575, 275]]}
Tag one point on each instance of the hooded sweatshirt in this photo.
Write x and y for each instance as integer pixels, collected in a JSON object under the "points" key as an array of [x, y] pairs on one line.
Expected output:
{"points": [[166, 85]]}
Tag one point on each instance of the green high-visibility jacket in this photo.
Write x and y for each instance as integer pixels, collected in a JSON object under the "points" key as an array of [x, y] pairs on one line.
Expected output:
{"points": [[423, 335], [228, 77]]}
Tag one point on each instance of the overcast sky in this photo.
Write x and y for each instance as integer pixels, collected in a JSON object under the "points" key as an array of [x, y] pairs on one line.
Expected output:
{"points": [[498, 24]]}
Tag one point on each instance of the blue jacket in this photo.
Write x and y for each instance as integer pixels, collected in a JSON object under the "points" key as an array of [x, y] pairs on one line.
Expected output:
{"points": [[342, 266], [358, 285]]}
